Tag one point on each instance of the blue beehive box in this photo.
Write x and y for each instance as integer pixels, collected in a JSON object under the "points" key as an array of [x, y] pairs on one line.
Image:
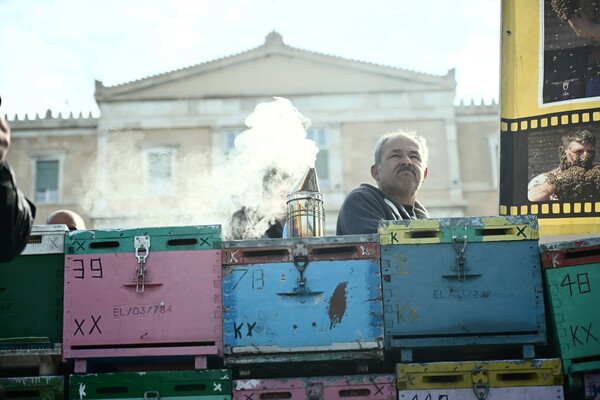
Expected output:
{"points": [[462, 282], [302, 299]]}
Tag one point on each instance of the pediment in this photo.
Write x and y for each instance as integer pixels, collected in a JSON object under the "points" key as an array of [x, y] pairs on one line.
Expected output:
{"points": [[275, 69]]}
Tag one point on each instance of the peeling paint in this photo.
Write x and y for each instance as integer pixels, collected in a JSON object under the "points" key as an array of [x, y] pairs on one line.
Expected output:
{"points": [[337, 305], [247, 384]]}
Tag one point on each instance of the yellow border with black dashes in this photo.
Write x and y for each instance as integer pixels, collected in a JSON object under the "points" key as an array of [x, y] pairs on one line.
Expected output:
{"points": [[521, 111], [554, 120]]}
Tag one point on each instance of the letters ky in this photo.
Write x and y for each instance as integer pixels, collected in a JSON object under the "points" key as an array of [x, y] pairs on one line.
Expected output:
{"points": [[238, 329], [585, 334], [81, 325]]}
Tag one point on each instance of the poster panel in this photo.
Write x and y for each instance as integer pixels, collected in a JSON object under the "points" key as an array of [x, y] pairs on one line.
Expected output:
{"points": [[550, 114]]}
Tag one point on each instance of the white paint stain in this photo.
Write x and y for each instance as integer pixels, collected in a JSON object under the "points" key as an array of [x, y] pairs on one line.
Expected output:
{"points": [[247, 384]]}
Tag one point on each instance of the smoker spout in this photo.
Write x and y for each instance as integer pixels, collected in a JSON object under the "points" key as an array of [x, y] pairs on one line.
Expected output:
{"points": [[309, 182]]}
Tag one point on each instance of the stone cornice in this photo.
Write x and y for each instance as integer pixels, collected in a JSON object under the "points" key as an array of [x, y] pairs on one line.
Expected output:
{"points": [[48, 121]]}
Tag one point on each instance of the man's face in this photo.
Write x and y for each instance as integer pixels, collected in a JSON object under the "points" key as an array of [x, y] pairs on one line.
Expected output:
{"points": [[402, 168], [578, 154]]}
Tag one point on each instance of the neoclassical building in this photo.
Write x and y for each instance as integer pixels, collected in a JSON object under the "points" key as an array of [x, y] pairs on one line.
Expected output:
{"points": [[148, 158]]}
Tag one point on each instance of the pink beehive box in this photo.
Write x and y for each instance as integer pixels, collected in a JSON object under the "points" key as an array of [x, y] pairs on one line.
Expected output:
{"points": [[349, 387], [143, 292]]}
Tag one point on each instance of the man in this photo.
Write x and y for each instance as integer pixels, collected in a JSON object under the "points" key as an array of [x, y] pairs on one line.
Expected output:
{"points": [[72, 220], [576, 152], [399, 170], [16, 212]]}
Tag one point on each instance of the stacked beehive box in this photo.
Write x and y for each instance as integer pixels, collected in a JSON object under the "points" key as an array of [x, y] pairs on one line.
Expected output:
{"points": [[571, 279], [356, 387], [507, 379], [308, 300], [143, 293], [440, 307], [466, 291], [153, 385], [31, 313]]}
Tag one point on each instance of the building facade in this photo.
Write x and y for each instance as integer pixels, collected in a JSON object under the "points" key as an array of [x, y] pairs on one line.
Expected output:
{"points": [[150, 157]]}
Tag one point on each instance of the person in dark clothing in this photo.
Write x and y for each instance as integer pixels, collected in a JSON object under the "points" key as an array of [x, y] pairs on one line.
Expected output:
{"points": [[16, 212], [400, 168], [250, 223], [243, 219]]}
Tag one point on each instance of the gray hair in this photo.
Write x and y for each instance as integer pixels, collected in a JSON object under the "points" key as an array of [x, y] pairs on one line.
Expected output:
{"points": [[401, 132]]}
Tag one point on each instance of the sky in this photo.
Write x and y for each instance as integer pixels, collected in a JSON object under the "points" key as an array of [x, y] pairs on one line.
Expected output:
{"points": [[52, 51]]}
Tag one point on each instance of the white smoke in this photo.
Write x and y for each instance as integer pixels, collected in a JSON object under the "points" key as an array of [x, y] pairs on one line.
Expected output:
{"points": [[207, 189], [268, 159]]}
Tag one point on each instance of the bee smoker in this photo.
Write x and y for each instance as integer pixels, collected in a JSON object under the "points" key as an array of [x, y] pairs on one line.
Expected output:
{"points": [[305, 215]]}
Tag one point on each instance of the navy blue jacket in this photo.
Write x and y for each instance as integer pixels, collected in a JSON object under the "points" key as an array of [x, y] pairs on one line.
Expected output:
{"points": [[366, 205]]}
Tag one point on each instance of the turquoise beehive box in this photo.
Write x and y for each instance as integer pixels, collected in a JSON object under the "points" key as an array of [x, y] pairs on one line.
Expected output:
{"points": [[462, 282]]}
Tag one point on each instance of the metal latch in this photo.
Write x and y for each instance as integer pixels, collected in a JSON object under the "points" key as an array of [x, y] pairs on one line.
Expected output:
{"points": [[460, 258], [302, 290], [152, 392], [142, 250], [481, 387], [314, 391]]}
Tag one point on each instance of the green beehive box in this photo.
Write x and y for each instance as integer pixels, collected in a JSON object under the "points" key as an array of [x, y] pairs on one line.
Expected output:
{"points": [[31, 291], [34, 388], [196, 237], [571, 281], [176, 385]]}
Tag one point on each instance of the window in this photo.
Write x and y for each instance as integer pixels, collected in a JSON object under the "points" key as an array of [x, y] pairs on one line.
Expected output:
{"points": [[494, 152], [160, 167], [47, 171], [230, 140], [319, 136]]}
